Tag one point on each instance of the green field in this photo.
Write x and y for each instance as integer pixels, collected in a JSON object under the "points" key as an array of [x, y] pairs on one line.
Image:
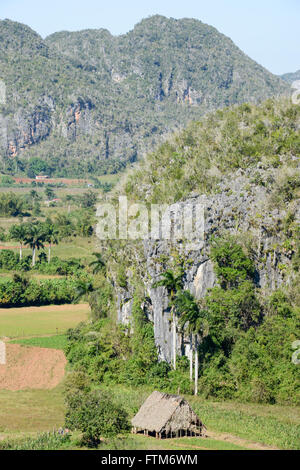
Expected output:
{"points": [[271, 425], [75, 248], [231, 426], [30, 411], [39, 321], [52, 342]]}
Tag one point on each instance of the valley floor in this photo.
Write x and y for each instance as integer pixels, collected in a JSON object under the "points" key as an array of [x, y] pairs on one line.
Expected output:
{"points": [[231, 426], [28, 412]]}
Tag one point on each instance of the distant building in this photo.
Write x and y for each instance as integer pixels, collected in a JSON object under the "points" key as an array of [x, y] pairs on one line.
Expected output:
{"points": [[41, 177], [52, 201], [167, 416]]}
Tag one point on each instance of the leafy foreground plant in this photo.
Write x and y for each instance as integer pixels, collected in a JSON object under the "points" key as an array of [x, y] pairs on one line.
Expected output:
{"points": [[45, 441]]}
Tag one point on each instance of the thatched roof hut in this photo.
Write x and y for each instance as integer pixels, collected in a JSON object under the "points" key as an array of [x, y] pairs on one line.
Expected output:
{"points": [[166, 415]]}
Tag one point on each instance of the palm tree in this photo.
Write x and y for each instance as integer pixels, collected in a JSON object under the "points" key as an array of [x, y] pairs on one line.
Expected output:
{"points": [[69, 199], [19, 233], [98, 264], [83, 288], [64, 224], [191, 316], [35, 238], [173, 284], [34, 194], [49, 192], [51, 237]]}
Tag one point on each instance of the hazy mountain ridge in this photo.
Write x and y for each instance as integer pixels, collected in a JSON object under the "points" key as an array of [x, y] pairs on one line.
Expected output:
{"points": [[90, 102], [291, 77]]}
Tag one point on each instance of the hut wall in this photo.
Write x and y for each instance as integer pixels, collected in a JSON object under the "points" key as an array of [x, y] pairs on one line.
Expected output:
{"points": [[182, 418]]}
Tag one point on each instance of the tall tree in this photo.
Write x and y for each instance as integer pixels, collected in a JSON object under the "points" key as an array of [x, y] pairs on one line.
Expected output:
{"points": [[173, 284], [69, 199], [83, 289], [192, 317], [51, 237], [49, 192], [98, 264], [35, 238], [19, 233]]}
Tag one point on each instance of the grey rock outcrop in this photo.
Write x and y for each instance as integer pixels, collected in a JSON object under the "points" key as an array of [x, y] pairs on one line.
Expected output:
{"points": [[238, 209]]}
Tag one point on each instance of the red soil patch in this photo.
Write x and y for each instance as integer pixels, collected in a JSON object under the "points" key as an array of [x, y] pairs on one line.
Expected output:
{"points": [[31, 367], [52, 180]]}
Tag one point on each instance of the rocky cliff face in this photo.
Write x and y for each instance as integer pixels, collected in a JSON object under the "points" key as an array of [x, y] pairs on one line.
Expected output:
{"points": [[239, 208], [28, 128]]}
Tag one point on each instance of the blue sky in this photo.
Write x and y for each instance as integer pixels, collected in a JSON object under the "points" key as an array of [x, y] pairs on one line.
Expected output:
{"points": [[266, 30]]}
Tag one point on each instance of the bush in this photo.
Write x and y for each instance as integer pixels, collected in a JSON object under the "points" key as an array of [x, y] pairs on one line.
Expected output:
{"points": [[101, 300], [95, 415], [68, 267], [8, 260], [22, 291], [261, 364]]}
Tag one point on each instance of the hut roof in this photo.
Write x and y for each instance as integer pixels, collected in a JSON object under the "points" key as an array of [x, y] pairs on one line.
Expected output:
{"points": [[161, 411]]}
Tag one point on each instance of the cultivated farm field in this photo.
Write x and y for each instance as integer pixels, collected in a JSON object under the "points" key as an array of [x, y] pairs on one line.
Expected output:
{"points": [[39, 321]]}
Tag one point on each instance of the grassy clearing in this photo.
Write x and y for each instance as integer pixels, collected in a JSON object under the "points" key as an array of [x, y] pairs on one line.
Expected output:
{"points": [[270, 428], [52, 342], [43, 441], [276, 426], [26, 412], [78, 247], [39, 321], [141, 442], [36, 411]]}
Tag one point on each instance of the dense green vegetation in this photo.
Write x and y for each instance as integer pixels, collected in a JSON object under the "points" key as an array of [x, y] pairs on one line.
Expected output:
{"points": [[30, 203], [244, 340], [246, 352], [92, 412], [10, 261], [242, 137], [89, 103], [243, 333], [21, 291]]}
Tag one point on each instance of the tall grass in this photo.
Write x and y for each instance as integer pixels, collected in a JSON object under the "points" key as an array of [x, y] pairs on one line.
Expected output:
{"points": [[245, 422], [44, 441], [268, 430]]}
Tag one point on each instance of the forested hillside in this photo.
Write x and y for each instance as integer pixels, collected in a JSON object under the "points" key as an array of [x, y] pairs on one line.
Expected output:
{"points": [[233, 295], [89, 102]]}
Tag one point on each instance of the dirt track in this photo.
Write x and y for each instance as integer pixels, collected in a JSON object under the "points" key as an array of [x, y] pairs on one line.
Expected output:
{"points": [[31, 367]]}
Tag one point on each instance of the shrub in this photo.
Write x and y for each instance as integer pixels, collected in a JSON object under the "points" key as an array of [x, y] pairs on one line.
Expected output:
{"points": [[22, 291], [8, 260], [95, 415]]}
